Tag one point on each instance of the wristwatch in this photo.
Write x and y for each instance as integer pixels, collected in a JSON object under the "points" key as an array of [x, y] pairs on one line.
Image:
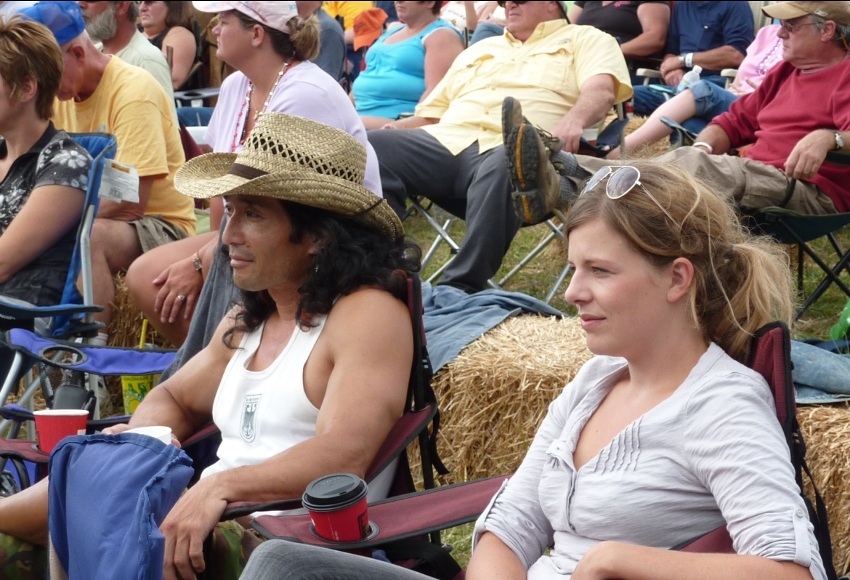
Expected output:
{"points": [[839, 141]]}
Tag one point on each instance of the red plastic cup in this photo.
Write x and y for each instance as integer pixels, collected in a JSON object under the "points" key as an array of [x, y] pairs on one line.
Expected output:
{"points": [[53, 425], [338, 507]]}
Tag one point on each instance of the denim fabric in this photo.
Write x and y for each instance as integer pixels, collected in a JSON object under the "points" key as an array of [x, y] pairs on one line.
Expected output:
{"points": [[824, 376], [646, 101], [280, 560], [711, 100], [485, 30]]}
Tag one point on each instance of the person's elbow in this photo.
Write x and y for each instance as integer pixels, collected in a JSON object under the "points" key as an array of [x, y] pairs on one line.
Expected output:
{"points": [[735, 57], [604, 93]]}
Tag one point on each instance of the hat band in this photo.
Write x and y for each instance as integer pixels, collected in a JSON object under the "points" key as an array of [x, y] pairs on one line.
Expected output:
{"points": [[245, 171]]}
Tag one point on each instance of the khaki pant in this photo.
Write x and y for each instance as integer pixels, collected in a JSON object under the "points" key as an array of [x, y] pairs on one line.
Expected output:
{"points": [[752, 184]]}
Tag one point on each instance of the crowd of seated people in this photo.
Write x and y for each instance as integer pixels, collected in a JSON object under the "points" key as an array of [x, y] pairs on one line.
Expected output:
{"points": [[270, 48], [711, 35], [698, 104], [487, 139]]}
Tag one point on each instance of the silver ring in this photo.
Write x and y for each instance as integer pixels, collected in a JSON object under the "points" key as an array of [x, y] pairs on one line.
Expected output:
{"points": [[180, 298]]}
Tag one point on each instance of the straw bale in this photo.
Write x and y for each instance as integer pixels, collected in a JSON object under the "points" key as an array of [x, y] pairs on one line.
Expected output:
{"points": [[826, 430], [494, 395], [126, 326]]}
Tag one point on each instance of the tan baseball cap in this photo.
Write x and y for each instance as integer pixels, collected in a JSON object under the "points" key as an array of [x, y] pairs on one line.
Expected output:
{"points": [[836, 11]]}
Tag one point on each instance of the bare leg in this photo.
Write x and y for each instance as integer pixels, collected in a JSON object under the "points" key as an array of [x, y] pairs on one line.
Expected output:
{"points": [[680, 108], [150, 265], [24, 515], [114, 246]]}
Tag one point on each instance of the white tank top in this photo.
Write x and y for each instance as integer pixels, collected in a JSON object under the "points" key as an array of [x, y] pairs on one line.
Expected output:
{"points": [[262, 413]]}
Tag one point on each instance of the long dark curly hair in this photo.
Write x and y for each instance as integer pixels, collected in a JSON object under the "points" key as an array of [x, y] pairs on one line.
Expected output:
{"points": [[352, 256]]}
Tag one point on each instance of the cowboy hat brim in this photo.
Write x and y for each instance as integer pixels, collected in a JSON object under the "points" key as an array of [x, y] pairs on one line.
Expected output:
{"points": [[210, 175]]}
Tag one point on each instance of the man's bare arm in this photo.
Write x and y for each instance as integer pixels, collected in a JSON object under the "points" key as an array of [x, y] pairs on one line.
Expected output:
{"points": [[411, 123], [368, 345], [594, 102], [716, 138]]}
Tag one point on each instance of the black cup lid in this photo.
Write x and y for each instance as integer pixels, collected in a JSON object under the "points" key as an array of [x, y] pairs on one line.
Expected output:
{"points": [[334, 489]]}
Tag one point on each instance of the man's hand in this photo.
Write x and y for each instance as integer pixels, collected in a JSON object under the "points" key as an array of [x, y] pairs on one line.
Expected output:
{"points": [[809, 153], [674, 77], [670, 63], [569, 131], [186, 527], [180, 285]]}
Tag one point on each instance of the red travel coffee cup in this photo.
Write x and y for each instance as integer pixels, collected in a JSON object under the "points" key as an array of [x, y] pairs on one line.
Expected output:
{"points": [[337, 506]]}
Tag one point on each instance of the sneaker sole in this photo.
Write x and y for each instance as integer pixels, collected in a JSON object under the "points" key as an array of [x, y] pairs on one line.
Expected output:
{"points": [[525, 151]]}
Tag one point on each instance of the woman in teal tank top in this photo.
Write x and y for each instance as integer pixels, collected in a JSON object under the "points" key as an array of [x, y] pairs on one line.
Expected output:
{"points": [[405, 63]]}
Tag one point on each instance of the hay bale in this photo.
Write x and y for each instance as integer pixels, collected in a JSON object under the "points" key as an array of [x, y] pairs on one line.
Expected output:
{"points": [[494, 395], [826, 430], [125, 329]]}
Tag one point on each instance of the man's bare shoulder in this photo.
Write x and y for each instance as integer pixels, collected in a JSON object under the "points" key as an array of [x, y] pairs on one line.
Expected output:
{"points": [[368, 301]]}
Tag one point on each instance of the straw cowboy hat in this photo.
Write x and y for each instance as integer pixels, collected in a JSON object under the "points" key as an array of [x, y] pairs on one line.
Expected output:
{"points": [[295, 159]]}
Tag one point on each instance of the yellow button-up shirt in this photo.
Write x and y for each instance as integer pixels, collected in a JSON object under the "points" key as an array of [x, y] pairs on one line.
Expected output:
{"points": [[544, 73]]}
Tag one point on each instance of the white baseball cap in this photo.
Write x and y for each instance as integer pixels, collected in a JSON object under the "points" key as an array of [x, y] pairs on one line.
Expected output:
{"points": [[272, 14]]}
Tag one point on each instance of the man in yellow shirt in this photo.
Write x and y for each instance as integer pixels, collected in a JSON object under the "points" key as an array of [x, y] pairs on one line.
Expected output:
{"points": [[566, 79], [103, 93]]}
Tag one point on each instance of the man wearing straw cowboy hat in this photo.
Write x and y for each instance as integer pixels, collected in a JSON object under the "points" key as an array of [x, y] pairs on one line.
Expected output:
{"points": [[321, 328]]}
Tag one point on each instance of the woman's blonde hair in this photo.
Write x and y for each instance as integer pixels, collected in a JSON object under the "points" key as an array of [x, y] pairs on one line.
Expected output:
{"points": [[302, 42], [28, 50], [741, 282]]}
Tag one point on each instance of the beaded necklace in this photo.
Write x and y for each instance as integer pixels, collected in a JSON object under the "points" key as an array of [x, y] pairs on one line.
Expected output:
{"points": [[770, 58], [246, 104]]}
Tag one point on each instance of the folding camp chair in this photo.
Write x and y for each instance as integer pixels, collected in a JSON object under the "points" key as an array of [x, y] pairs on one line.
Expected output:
{"points": [[791, 227], [452, 505]]}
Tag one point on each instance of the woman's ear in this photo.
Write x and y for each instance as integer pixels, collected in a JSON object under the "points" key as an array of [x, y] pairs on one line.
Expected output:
{"points": [[681, 279], [258, 33], [28, 90]]}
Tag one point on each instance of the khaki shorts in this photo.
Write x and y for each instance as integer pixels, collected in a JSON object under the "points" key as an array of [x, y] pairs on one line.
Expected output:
{"points": [[155, 230]]}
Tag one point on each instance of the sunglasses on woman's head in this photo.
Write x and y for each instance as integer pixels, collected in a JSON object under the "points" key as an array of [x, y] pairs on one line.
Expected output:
{"points": [[622, 180], [502, 3]]}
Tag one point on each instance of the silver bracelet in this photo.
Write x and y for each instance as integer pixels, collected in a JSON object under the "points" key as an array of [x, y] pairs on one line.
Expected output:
{"points": [[708, 147], [689, 60]]}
